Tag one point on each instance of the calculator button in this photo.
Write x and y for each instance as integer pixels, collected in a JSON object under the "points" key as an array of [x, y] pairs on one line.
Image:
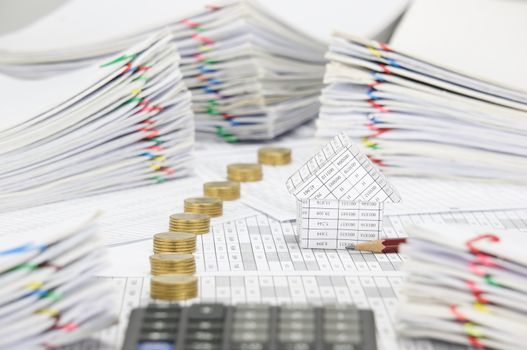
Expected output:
{"points": [[298, 326], [197, 345], [159, 326], [342, 337], [155, 346], [205, 325], [251, 315], [250, 336], [249, 346], [157, 336], [341, 347], [341, 326], [206, 311], [204, 336], [250, 326], [295, 337], [296, 346], [297, 316], [161, 316]]}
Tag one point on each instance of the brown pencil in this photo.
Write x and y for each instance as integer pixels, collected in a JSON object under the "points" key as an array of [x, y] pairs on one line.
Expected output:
{"points": [[389, 245]]}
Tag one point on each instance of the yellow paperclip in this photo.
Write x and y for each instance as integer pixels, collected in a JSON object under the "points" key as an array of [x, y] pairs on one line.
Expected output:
{"points": [[34, 285], [471, 330], [481, 307], [49, 312], [375, 52]]}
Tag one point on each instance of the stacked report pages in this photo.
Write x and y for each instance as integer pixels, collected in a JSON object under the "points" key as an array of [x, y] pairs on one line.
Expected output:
{"points": [[48, 293], [122, 123], [420, 119], [252, 76], [465, 285]]}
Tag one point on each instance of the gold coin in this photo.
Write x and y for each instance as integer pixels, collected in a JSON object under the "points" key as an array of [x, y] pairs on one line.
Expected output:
{"points": [[173, 287], [244, 172], [174, 242], [189, 217], [175, 237], [190, 222], [224, 190], [274, 155]]}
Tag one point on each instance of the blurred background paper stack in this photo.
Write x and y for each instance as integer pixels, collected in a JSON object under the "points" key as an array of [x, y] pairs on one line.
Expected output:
{"points": [[252, 75], [48, 293], [465, 285], [459, 113], [122, 123]]}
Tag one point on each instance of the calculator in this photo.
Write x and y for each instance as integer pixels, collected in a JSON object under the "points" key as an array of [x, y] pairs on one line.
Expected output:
{"points": [[206, 326]]}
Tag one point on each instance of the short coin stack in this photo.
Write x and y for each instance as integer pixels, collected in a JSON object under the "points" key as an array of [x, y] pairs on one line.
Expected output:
{"points": [[174, 287], [174, 242], [274, 155], [244, 172], [210, 206], [224, 190], [170, 263], [189, 222]]}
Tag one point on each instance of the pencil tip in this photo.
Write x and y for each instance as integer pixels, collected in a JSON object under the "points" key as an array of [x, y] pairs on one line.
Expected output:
{"points": [[350, 246]]}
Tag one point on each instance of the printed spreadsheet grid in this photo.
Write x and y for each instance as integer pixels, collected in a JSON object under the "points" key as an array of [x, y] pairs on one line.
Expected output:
{"points": [[341, 171], [335, 224], [323, 276]]}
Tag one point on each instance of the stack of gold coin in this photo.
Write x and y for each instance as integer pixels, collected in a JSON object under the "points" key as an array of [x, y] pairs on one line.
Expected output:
{"points": [[244, 172], [170, 263], [174, 242], [274, 155], [224, 190], [204, 205], [173, 287], [189, 222]]}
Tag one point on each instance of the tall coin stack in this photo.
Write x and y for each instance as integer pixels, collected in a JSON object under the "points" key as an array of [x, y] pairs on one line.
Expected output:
{"points": [[274, 155], [172, 263], [174, 242], [189, 222], [244, 172], [210, 206], [224, 190], [174, 287]]}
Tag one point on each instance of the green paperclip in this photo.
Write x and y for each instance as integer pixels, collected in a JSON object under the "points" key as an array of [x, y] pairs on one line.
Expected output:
{"points": [[490, 280], [158, 179], [55, 296], [119, 59]]}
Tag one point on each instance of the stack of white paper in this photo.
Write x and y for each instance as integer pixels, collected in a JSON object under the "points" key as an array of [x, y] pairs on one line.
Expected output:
{"points": [[120, 124], [418, 118], [252, 76], [48, 293], [465, 285]]}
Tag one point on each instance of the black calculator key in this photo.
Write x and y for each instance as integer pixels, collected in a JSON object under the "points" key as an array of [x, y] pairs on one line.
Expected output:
{"points": [[157, 336], [249, 346], [342, 347], [206, 312], [205, 325], [297, 346], [250, 336], [240, 326], [159, 326], [199, 345], [208, 336]]}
